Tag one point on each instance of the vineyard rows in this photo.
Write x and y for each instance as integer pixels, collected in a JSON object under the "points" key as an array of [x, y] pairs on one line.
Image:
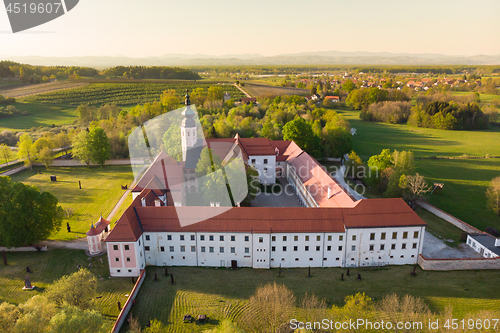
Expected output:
{"points": [[121, 93]]}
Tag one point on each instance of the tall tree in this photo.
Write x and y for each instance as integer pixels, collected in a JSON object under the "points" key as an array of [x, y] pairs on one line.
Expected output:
{"points": [[27, 215], [81, 148], [169, 99], [416, 187], [77, 289], [493, 195], [26, 150], [5, 152], [99, 145], [301, 132]]}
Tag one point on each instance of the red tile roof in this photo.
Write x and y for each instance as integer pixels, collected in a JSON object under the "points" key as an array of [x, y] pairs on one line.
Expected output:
{"points": [[158, 171], [256, 146]]}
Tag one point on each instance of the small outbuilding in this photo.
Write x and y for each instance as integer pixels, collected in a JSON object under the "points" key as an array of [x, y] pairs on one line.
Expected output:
{"points": [[96, 234]]}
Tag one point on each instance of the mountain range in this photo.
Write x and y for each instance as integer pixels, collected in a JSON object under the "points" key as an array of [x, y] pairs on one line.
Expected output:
{"points": [[305, 58]]}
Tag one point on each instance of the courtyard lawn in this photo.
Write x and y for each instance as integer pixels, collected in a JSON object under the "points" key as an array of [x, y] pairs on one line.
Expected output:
{"points": [[52, 265], [39, 115], [221, 293], [99, 194], [465, 180]]}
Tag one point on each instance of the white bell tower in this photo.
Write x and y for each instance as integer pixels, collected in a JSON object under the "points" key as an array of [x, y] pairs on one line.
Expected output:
{"points": [[189, 135]]}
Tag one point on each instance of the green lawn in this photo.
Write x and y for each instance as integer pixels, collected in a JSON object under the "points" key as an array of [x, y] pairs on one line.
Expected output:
{"points": [[52, 265], [99, 194], [223, 293], [440, 227], [39, 115], [465, 180]]}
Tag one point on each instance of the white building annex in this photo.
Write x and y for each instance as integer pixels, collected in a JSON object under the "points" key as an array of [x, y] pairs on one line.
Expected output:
{"points": [[331, 229]]}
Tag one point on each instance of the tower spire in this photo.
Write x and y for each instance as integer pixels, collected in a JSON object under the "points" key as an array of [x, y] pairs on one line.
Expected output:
{"points": [[187, 101]]}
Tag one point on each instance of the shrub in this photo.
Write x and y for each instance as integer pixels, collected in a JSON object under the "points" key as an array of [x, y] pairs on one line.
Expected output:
{"points": [[492, 231]]}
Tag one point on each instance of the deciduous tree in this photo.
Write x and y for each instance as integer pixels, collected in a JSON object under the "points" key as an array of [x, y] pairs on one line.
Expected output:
{"points": [[26, 150], [5, 152], [77, 289]]}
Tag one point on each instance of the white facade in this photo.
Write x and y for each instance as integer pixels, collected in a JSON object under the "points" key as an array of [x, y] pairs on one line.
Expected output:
{"points": [[189, 137], [353, 248], [265, 166], [481, 249]]}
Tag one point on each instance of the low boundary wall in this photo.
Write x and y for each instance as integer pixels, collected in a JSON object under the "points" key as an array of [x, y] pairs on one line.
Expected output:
{"points": [[457, 264], [450, 218], [128, 304]]}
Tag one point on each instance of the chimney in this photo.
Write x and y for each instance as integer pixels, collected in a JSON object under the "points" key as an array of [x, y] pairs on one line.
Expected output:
{"points": [[157, 203], [217, 204], [329, 193], [212, 204], [497, 242], [277, 151], [143, 202]]}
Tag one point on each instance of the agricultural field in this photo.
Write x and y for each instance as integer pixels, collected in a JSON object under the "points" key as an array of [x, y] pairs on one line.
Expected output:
{"points": [[466, 180], [256, 90], [49, 266], [221, 293], [38, 115], [122, 93], [99, 194], [34, 89]]}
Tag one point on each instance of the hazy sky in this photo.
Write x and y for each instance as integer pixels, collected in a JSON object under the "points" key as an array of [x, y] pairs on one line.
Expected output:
{"points": [[142, 28]]}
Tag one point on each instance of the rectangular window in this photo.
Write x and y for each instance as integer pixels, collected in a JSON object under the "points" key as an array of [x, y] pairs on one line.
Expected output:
{"points": [[221, 238], [394, 235], [295, 248], [146, 248], [221, 249], [403, 246], [414, 246], [273, 238], [117, 259], [273, 248], [202, 249], [284, 238], [247, 250], [265, 161], [192, 237], [126, 247], [296, 238], [393, 246], [306, 248], [341, 237], [371, 248], [261, 239], [162, 248], [233, 238], [253, 161], [193, 248], [415, 234], [169, 237], [181, 237], [247, 238], [382, 235], [202, 237], [307, 238], [318, 248], [340, 248], [405, 235], [329, 238], [115, 247], [318, 238], [353, 248], [128, 259], [284, 248], [183, 248], [171, 248], [382, 247], [211, 237], [147, 237], [233, 250], [353, 237], [211, 249], [328, 248], [372, 236]]}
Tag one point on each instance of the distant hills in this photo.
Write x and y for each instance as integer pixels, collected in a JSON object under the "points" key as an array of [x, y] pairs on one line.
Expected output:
{"points": [[306, 58]]}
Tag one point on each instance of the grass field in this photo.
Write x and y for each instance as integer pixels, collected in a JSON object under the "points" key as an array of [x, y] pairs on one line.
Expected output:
{"points": [[223, 293], [441, 228], [33, 89], [52, 265], [123, 93], [39, 115], [466, 180], [99, 194]]}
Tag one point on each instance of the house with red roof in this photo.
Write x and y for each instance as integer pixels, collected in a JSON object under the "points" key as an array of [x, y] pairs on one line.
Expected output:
{"points": [[328, 228]]}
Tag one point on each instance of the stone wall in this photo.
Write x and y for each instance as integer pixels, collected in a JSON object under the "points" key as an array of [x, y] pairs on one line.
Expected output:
{"points": [[450, 218], [128, 304], [458, 264]]}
